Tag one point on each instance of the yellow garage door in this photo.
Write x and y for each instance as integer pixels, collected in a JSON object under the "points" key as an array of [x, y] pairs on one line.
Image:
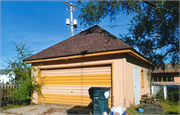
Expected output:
{"points": [[70, 85]]}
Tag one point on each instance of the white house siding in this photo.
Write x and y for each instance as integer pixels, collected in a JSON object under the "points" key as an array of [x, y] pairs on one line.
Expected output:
{"points": [[4, 78]]}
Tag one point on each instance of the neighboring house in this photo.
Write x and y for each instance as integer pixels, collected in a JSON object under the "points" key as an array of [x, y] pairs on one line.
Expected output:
{"points": [[6, 77], [162, 80], [169, 75], [92, 58]]}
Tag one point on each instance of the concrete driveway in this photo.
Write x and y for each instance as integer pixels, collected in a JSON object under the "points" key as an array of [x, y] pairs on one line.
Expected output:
{"points": [[40, 109]]}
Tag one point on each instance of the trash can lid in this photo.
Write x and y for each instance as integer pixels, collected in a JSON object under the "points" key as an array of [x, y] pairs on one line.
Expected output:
{"points": [[99, 88]]}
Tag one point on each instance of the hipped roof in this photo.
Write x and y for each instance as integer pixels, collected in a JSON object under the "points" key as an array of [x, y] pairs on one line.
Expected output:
{"points": [[92, 40]]}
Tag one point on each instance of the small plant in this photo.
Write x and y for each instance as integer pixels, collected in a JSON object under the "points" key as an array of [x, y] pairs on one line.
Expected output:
{"points": [[2, 108], [33, 103], [131, 109], [10, 106], [24, 103]]}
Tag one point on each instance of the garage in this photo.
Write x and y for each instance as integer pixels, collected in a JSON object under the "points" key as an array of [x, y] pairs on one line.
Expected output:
{"points": [[92, 58], [70, 85]]}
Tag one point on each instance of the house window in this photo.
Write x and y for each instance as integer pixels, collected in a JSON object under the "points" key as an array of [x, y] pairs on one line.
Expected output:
{"points": [[159, 79], [163, 79], [171, 78], [10, 75], [155, 79]]}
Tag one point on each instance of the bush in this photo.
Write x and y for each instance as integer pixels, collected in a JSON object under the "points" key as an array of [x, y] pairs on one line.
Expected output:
{"points": [[173, 94], [22, 71]]}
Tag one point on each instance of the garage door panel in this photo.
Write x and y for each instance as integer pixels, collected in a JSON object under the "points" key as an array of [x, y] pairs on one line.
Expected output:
{"points": [[96, 76], [72, 99], [80, 77], [78, 81], [101, 79], [76, 71], [70, 86]]}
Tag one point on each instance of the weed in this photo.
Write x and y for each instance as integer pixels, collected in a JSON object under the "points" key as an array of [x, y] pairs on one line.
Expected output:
{"points": [[33, 103], [24, 104], [132, 111], [11, 106], [2, 108]]}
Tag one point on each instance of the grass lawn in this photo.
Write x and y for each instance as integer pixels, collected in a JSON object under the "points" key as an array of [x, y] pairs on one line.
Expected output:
{"points": [[170, 107]]}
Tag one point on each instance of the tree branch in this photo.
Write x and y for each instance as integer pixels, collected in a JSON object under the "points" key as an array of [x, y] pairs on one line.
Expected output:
{"points": [[166, 10]]}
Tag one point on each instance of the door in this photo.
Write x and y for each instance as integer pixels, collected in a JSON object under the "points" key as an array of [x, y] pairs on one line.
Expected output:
{"points": [[70, 85], [136, 85]]}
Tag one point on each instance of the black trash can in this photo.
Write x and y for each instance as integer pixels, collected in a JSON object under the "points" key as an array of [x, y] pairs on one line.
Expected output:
{"points": [[100, 96]]}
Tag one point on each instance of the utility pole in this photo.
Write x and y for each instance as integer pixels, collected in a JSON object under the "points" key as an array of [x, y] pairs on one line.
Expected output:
{"points": [[72, 22]]}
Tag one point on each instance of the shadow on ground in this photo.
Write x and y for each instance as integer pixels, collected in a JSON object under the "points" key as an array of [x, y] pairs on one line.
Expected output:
{"points": [[153, 109], [79, 110]]}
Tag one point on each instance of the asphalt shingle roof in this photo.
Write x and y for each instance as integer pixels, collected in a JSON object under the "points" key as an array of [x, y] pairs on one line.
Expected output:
{"points": [[94, 39]]}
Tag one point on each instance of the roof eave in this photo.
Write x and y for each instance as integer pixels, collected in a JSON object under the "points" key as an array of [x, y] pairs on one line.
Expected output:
{"points": [[128, 50]]}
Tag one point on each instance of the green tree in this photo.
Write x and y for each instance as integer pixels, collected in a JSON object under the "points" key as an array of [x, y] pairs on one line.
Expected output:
{"points": [[154, 28], [17, 66], [27, 82]]}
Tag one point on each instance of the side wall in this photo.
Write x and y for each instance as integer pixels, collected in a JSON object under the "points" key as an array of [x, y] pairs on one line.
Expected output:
{"points": [[35, 73], [177, 79], [122, 75], [130, 64]]}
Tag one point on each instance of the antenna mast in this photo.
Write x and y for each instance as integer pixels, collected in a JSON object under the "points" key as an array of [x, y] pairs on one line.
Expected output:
{"points": [[72, 22]]}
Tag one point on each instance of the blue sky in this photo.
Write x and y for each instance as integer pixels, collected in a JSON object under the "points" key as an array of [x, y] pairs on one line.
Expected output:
{"points": [[41, 24]]}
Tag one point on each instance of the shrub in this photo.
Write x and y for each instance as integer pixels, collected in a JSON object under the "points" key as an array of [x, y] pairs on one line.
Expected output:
{"points": [[173, 94], [22, 71]]}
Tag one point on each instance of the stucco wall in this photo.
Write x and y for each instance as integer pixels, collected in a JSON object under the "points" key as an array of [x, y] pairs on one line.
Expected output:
{"points": [[118, 82], [130, 64], [122, 75], [34, 73]]}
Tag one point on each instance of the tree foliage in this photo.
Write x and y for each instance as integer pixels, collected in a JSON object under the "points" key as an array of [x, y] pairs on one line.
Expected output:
{"points": [[154, 29], [23, 76], [17, 66]]}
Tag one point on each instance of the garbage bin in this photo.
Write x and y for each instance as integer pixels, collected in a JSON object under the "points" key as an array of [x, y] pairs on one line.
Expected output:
{"points": [[100, 96]]}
